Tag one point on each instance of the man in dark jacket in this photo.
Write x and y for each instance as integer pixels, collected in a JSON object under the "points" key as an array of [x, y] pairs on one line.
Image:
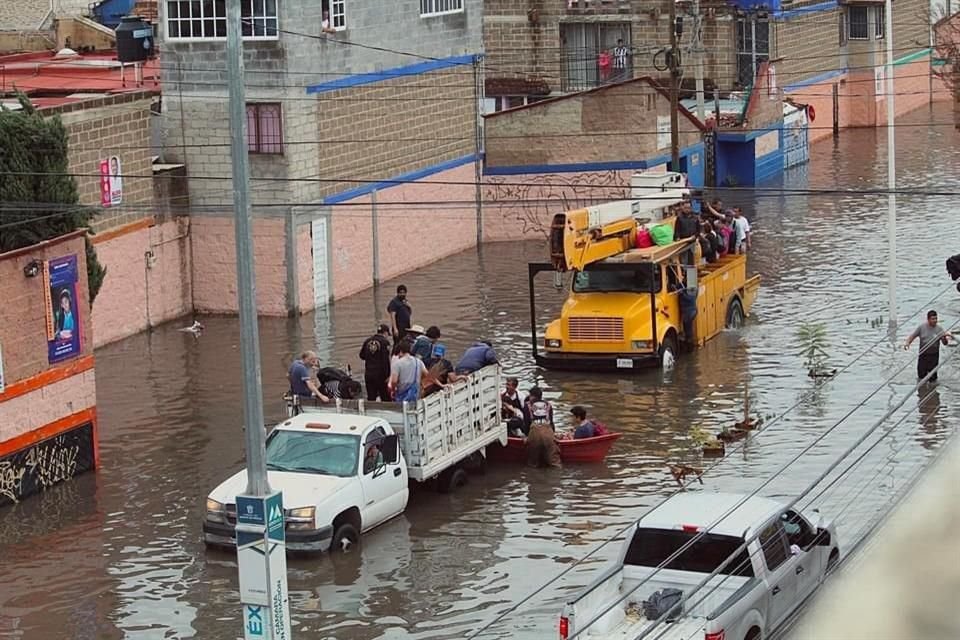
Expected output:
{"points": [[375, 354]]}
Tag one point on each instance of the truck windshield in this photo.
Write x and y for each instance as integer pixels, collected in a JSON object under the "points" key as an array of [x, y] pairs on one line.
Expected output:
{"points": [[331, 454], [650, 547], [641, 278]]}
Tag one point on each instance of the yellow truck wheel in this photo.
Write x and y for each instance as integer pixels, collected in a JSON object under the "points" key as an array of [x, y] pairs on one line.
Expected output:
{"points": [[735, 314], [668, 350]]}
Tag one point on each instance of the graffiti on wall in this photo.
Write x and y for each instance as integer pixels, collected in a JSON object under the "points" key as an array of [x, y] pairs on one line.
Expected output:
{"points": [[531, 201], [45, 464]]}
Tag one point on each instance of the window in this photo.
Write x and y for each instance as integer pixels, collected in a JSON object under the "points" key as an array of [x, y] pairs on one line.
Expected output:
{"points": [[773, 542], [753, 48], [880, 24], [581, 44], [639, 279], [650, 547], [857, 28], [207, 19], [440, 7], [331, 454], [264, 128], [337, 11]]}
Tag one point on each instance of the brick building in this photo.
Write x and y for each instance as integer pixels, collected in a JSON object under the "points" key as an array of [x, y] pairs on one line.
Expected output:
{"points": [[334, 112], [559, 42]]}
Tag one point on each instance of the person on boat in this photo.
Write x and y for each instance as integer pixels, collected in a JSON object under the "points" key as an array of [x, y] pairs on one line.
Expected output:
{"points": [[303, 383], [585, 428], [476, 357], [512, 409], [542, 447], [931, 335], [536, 404]]}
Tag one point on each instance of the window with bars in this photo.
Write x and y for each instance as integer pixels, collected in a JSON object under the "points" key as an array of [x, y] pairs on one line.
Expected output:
{"points": [[264, 128], [880, 24], [440, 7], [857, 23], [336, 12], [590, 54], [753, 48], [207, 19]]}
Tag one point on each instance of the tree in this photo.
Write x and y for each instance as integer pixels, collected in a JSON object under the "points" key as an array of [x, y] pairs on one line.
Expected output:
{"points": [[946, 34], [38, 196]]}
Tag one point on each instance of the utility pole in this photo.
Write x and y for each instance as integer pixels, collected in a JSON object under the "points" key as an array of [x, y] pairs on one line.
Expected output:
{"points": [[673, 63], [891, 171], [261, 548], [697, 50]]}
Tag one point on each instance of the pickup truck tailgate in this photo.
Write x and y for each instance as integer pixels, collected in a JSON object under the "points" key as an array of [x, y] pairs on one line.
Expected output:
{"points": [[634, 624]]}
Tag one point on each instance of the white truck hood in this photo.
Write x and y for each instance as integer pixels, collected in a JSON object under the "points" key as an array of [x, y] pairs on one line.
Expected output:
{"points": [[299, 489]]}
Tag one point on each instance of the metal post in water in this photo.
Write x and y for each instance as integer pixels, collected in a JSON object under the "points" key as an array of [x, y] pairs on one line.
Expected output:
{"points": [[891, 171], [261, 549], [836, 112]]}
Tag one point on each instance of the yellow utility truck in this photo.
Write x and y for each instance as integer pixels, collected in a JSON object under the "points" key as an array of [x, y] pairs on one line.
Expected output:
{"points": [[629, 307]]}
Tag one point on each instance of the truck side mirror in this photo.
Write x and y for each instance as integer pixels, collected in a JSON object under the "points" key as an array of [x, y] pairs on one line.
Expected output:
{"points": [[390, 449]]}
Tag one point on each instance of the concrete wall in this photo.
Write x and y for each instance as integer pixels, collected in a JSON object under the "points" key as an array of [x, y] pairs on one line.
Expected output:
{"points": [[613, 123], [139, 291]]}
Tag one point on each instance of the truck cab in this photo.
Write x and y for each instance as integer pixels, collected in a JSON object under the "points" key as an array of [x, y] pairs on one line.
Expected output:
{"points": [[340, 475], [633, 307]]}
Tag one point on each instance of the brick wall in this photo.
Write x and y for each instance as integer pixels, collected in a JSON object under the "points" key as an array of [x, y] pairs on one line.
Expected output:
{"points": [[807, 46], [382, 130], [23, 328], [20, 15], [98, 129], [541, 133]]}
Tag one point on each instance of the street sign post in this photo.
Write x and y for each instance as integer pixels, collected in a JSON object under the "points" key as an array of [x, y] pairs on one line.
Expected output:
{"points": [[262, 559]]}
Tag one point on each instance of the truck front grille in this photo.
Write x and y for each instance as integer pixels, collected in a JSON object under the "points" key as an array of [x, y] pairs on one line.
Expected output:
{"points": [[231, 510], [596, 329]]}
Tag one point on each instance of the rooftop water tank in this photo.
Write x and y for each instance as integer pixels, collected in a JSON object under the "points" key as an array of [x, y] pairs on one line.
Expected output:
{"points": [[134, 39]]}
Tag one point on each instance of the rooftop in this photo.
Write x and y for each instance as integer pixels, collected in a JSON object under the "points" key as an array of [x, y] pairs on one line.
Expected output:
{"points": [[51, 80], [329, 422], [702, 509]]}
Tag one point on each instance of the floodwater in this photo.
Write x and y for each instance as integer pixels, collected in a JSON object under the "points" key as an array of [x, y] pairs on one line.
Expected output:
{"points": [[119, 554]]}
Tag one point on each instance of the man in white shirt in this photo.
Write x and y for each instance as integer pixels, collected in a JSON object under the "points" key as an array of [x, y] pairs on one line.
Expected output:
{"points": [[741, 231], [620, 55]]}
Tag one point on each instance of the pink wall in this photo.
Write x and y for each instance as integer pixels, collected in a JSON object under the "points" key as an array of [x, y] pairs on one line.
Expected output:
{"points": [[134, 297], [523, 206], [47, 404], [410, 237], [215, 265], [305, 268]]}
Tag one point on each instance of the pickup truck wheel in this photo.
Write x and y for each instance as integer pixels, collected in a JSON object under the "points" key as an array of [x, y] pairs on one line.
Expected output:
{"points": [[451, 480], [735, 315], [668, 351], [345, 538], [754, 634]]}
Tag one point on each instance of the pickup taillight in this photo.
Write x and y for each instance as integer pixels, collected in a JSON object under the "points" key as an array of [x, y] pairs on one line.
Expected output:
{"points": [[719, 635], [565, 628]]}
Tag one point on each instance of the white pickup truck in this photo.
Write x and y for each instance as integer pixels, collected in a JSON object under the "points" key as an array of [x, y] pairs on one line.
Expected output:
{"points": [[344, 469], [785, 560]]}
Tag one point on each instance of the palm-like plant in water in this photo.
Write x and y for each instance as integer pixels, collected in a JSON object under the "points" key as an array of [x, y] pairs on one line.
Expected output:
{"points": [[813, 347]]}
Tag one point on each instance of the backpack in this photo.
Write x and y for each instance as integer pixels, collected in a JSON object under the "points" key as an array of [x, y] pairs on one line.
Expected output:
{"points": [[332, 374], [600, 429], [644, 239], [665, 602], [662, 234]]}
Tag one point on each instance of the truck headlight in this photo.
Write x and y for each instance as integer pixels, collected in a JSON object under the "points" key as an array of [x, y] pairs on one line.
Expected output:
{"points": [[215, 511], [300, 518], [640, 345], [554, 344]]}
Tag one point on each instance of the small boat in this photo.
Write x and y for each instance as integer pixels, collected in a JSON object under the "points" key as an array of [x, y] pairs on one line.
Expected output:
{"points": [[593, 449]]}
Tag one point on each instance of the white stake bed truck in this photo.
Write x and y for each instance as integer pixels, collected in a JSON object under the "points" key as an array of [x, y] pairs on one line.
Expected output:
{"points": [[785, 561], [344, 469]]}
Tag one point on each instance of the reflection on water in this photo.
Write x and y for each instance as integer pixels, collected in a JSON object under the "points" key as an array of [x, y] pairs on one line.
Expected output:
{"points": [[119, 554]]}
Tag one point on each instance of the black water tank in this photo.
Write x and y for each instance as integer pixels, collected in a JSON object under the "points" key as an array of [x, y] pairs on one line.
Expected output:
{"points": [[134, 39]]}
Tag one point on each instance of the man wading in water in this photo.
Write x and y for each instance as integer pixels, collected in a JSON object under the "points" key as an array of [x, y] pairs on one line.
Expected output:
{"points": [[931, 335]]}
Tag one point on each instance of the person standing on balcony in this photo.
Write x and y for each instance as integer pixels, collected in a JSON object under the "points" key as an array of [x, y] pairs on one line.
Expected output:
{"points": [[621, 55]]}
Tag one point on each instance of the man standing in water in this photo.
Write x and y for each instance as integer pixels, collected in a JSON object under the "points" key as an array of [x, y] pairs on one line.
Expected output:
{"points": [[375, 353], [401, 315], [931, 335]]}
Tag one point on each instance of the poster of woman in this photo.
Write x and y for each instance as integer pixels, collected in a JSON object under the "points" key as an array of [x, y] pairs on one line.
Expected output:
{"points": [[116, 181], [63, 312]]}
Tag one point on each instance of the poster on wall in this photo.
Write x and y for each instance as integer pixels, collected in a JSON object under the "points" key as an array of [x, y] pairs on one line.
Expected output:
{"points": [[111, 182], [663, 132], [63, 312], [878, 80]]}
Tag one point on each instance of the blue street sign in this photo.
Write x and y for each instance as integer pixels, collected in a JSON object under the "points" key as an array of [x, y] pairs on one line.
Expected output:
{"points": [[250, 510], [253, 620], [274, 509]]}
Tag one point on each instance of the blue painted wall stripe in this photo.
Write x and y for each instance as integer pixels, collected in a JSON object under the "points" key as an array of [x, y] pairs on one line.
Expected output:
{"points": [[820, 7], [823, 77], [405, 178], [620, 165], [389, 74]]}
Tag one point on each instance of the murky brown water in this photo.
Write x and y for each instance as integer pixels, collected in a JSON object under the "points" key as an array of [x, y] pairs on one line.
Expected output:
{"points": [[119, 554]]}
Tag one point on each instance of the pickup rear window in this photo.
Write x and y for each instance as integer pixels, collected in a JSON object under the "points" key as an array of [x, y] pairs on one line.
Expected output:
{"points": [[650, 547]]}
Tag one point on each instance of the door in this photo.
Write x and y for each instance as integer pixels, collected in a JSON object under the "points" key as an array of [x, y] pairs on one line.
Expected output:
{"points": [[781, 573], [320, 245], [811, 558], [383, 489]]}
